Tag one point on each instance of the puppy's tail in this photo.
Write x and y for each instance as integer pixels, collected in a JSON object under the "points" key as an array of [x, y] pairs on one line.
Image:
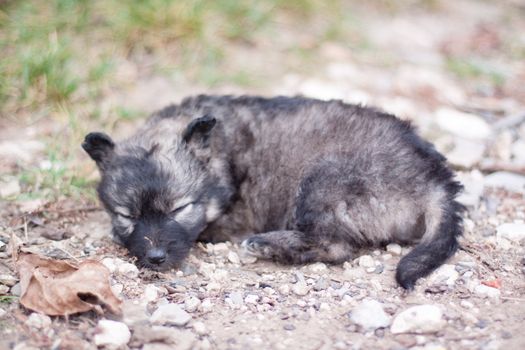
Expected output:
{"points": [[436, 247]]}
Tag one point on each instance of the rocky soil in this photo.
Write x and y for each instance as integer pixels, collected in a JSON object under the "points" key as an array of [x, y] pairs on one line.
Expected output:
{"points": [[221, 299]]}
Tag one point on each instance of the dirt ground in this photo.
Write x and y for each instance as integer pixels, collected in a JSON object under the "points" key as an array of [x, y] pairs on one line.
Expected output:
{"points": [[456, 69]]}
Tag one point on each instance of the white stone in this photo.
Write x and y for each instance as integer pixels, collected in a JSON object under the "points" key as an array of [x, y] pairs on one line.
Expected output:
{"points": [[206, 305], [284, 289], [514, 232], [394, 249], [2, 313], [200, 328], [112, 333], [462, 124], [8, 280], [466, 304], [300, 288], [318, 267], [151, 293], [206, 269], [220, 275], [213, 286], [366, 261], [446, 274], [247, 259], [134, 313], [234, 257], [369, 314], [128, 270], [220, 248], [484, 291], [38, 321], [507, 180], [466, 153], [236, 298], [170, 314], [251, 299], [418, 319], [191, 304]]}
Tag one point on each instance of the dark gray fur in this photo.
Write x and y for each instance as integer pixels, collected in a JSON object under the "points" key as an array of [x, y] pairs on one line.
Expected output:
{"points": [[313, 180]]}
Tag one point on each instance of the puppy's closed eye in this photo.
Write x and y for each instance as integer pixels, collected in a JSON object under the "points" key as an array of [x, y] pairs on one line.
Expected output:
{"points": [[186, 214]]}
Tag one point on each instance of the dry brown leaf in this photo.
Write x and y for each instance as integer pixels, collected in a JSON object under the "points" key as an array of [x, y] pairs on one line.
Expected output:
{"points": [[58, 288]]}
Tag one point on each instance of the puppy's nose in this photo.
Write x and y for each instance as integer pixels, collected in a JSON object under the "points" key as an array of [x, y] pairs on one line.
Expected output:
{"points": [[156, 256]]}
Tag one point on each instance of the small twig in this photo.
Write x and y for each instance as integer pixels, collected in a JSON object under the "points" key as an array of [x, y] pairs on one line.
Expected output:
{"points": [[512, 298], [26, 236], [67, 253], [492, 166], [484, 263], [509, 121], [67, 211]]}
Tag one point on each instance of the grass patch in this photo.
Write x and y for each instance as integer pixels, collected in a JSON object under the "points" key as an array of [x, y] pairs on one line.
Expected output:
{"points": [[471, 69], [59, 57], [54, 177], [8, 299]]}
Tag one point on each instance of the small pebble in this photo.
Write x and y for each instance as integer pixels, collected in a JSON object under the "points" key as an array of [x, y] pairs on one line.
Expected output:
{"points": [[300, 288], [514, 232], [8, 280], [484, 291], [206, 305], [366, 261], [128, 270], [418, 319], [236, 298], [191, 304], [394, 249], [369, 314], [379, 269], [466, 304], [112, 334], [134, 313], [445, 274], [4, 289], [251, 299], [284, 289], [16, 290], [318, 267], [170, 314], [151, 293], [321, 284], [38, 321], [200, 328], [233, 257], [213, 286]]}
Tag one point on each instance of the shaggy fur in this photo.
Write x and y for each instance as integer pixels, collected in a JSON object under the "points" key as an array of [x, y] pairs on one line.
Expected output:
{"points": [[301, 180]]}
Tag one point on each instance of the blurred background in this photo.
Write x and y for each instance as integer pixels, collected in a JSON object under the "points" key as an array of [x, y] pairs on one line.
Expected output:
{"points": [[67, 67]]}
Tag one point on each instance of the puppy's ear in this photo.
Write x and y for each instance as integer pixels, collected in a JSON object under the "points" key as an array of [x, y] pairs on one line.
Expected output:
{"points": [[99, 146], [198, 130]]}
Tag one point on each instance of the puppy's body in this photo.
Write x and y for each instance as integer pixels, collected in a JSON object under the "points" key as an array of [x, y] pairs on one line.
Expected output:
{"points": [[303, 180]]}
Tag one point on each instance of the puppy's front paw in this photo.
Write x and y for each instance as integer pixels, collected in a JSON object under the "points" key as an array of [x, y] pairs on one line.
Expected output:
{"points": [[257, 246]]}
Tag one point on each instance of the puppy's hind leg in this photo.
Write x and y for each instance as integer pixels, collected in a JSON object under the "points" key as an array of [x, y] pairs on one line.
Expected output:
{"points": [[292, 247]]}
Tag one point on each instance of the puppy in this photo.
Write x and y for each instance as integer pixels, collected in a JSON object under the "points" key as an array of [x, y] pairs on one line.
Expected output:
{"points": [[300, 180]]}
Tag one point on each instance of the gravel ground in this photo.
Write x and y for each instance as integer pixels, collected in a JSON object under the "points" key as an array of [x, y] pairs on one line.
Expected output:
{"points": [[221, 299]]}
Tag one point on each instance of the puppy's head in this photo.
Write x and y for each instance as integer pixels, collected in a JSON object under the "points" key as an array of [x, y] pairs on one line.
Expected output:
{"points": [[159, 194]]}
